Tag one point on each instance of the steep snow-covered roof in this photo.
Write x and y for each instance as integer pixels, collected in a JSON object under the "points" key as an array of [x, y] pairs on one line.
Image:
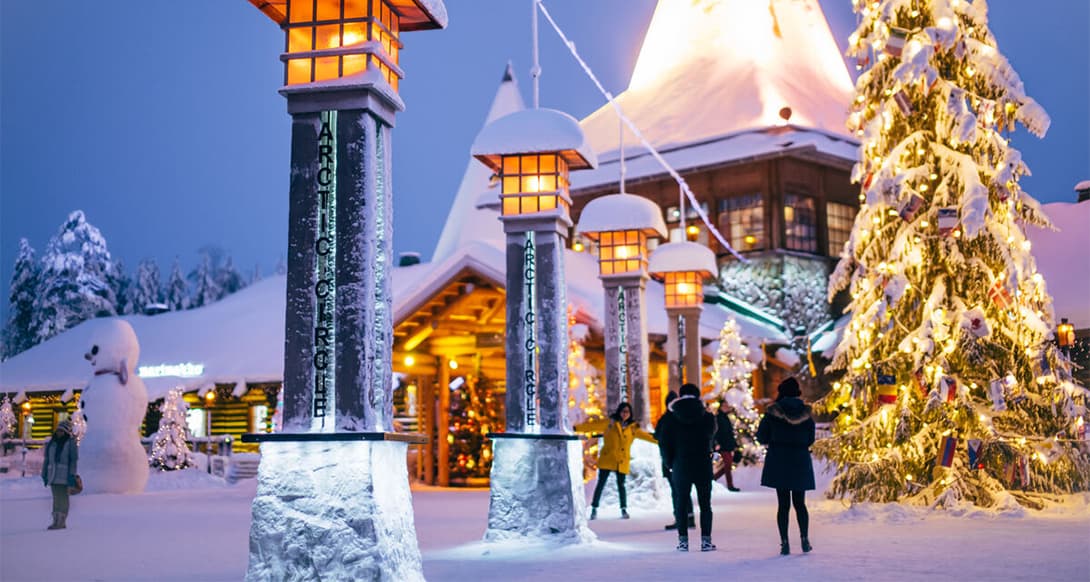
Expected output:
{"points": [[714, 67], [682, 256], [621, 212], [533, 131], [1063, 260], [469, 219]]}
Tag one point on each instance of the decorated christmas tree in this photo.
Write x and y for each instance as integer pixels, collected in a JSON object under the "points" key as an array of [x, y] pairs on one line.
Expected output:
{"points": [[475, 412], [731, 375], [7, 420], [169, 450], [586, 395], [952, 390], [79, 422]]}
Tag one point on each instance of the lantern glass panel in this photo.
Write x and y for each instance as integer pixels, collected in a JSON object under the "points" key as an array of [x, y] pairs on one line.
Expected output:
{"points": [[339, 24], [531, 182], [684, 289], [329, 10], [622, 252], [301, 11], [298, 71], [355, 8]]}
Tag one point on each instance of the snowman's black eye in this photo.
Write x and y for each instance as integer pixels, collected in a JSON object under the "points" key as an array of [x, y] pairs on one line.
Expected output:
{"points": [[94, 350]]}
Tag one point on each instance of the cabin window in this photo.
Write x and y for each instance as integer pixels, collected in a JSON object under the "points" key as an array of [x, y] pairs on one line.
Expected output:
{"points": [[840, 220], [742, 223], [800, 223]]}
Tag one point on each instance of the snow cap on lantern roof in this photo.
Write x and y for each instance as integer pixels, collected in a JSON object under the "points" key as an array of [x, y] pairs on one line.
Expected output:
{"points": [[415, 14], [717, 67], [621, 212], [534, 131], [682, 256]]}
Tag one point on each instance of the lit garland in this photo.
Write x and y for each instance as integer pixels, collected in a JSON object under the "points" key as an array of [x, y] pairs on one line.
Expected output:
{"points": [[948, 342]]}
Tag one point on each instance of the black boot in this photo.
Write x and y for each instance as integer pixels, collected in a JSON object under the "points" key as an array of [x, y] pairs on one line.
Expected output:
{"points": [[682, 544], [806, 547], [785, 548], [671, 526]]}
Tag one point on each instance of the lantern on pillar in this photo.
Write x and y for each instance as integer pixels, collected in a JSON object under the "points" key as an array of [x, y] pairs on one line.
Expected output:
{"points": [[683, 267], [1065, 334], [621, 225]]}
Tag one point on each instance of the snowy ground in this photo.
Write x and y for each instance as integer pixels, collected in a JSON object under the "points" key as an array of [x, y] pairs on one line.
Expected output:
{"points": [[191, 526]]}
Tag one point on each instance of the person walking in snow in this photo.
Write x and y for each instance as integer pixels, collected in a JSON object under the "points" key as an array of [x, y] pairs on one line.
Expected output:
{"points": [[787, 429], [660, 426], [59, 470], [725, 445], [620, 431], [687, 447]]}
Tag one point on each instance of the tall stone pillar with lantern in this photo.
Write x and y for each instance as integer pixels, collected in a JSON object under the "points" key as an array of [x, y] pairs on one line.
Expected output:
{"points": [[333, 491]]}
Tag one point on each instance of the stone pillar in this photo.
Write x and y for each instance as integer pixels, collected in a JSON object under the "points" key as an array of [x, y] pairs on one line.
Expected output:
{"points": [[626, 345], [536, 481], [337, 472], [673, 350], [693, 374]]}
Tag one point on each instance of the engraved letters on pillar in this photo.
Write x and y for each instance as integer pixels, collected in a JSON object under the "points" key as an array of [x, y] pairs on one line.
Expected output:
{"points": [[622, 348], [325, 262], [529, 264]]}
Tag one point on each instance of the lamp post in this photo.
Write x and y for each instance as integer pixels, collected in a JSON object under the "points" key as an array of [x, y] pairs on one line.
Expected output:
{"points": [[1065, 336], [683, 268], [536, 477], [621, 224], [320, 478]]}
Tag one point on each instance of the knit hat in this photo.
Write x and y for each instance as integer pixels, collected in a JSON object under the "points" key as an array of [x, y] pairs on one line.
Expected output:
{"points": [[789, 388], [690, 390]]}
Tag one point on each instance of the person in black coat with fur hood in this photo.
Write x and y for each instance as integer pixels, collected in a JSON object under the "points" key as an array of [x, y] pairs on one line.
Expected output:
{"points": [[787, 429], [686, 447]]}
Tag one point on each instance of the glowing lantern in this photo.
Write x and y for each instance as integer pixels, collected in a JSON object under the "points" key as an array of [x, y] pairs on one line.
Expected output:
{"points": [[531, 152], [621, 224], [1065, 334], [330, 39], [683, 267]]}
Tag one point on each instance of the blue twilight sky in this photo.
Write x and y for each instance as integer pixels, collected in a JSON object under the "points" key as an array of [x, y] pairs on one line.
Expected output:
{"points": [[162, 122]]}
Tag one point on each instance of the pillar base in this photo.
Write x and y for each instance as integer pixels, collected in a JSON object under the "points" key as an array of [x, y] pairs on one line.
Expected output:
{"points": [[537, 489], [333, 510]]}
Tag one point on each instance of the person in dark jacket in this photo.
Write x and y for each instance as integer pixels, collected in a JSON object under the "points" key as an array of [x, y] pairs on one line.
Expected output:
{"points": [[59, 470], [687, 448], [787, 429], [725, 444], [665, 420]]}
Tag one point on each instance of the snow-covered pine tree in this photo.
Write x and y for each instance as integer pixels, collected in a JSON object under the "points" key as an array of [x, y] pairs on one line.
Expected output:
{"points": [[952, 391], [75, 279], [121, 283], [169, 450], [176, 294], [146, 289], [731, 374], [206, 290], [228, 279], [19, 333]]}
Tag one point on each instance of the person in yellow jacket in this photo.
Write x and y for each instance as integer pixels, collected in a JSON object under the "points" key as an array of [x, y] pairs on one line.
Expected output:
{"points": [[620, 430]]}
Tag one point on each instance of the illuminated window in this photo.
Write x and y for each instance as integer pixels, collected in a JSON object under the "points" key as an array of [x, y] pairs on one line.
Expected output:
{"points": [[840, 219], [684, 289], [694, 226], [799, 223], [259, 418], [197, 420], [742, 222], [533, 183], [326, 39], [622, 251]]}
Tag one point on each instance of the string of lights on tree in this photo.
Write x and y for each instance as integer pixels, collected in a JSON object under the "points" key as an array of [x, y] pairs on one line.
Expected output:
{"points": [[731, 375], [169, 450], [952, 390]]}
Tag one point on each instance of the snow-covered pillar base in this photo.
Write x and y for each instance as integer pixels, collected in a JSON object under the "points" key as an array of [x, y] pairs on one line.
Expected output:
{"points": [[537, 489], [626, 345], [333, 511]]}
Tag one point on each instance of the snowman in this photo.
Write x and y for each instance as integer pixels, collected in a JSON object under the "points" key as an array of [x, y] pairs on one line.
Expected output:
{"points": [[112, 460]]}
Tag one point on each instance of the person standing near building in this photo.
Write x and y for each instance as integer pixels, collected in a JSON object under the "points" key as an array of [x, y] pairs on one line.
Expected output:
{"points": [[725, 444], [687, 448], [620, 431], [660, 426], [787, 429], [59, 470]]}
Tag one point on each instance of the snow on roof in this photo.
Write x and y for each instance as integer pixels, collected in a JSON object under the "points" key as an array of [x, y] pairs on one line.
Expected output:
{"points": [[621, 212], [468, 219], [241, 338], [715, 67], [1084, 185], [534, 131], [682, 256], [1063, 260], [738, 146]]}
